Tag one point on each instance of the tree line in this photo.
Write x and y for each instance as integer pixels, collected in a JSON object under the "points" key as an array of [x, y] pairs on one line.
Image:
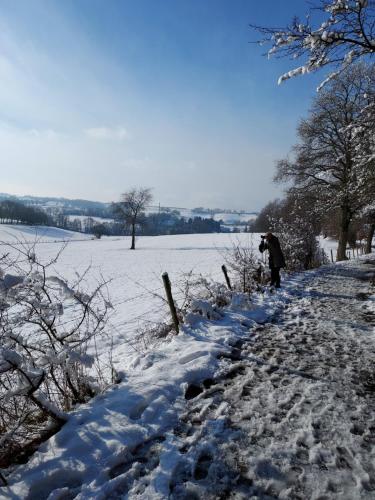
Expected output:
{"points": [[140, 223], [14, 212], [330, 172]]}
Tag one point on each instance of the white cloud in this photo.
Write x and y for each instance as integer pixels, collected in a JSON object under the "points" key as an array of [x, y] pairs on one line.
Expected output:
{"points": [[108, 133], [43, 134]]}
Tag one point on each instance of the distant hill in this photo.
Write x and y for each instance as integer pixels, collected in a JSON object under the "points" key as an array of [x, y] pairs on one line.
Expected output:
{"points": [[88, 208], [229, 217], [67, 206]]}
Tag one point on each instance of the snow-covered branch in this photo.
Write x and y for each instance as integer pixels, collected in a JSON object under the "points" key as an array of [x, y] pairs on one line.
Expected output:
{"points": [[46, 328], [344, 34]]}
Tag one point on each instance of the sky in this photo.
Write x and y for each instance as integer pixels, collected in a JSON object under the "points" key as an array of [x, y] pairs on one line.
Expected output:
{"points": [[99, 96]]}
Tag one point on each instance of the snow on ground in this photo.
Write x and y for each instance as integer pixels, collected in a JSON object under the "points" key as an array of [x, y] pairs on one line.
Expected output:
{"points": [[43, 234], [330, 247], [235, 218], [231, 408], [86, 458], [83, 218], [135, 289]]}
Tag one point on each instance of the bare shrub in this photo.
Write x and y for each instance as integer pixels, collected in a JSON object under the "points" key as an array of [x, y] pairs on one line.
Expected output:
{"points": [[202, 298], [150, 335], [47, 347], [246, 270]]}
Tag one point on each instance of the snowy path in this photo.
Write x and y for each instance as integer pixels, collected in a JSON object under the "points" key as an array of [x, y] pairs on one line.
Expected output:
{"points": [[295, 416]]}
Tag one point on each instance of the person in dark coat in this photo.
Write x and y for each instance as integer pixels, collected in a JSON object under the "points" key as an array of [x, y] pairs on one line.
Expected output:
{"points": [[276, 258]]}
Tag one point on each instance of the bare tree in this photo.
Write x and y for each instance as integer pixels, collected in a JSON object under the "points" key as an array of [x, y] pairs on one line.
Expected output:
{"points": [[329, 161], [345, 33], [131, 208]]}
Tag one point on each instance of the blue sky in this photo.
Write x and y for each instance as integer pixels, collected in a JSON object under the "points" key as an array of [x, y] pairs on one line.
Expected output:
{"points": [[97, 96]]}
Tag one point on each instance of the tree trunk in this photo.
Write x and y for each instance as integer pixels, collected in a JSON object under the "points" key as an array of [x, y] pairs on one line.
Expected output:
{"points": [[133, 238], [344, 233], [370, 235]]}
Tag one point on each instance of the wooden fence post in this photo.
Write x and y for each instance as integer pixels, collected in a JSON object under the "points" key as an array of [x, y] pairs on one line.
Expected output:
{"points": [[332, 255], [224, 269], [172, 307]]}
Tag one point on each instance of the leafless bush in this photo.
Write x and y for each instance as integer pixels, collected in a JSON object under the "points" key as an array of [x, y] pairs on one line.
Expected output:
{"points": [[150, 335], [247, 271], [194, 287], [47, 347]]}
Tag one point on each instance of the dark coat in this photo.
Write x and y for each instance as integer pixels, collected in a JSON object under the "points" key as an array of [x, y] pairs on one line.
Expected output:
{"points": [[276, 257]]}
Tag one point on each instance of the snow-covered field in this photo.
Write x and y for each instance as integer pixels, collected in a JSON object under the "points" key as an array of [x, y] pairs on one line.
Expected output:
{"points": [[135, 289], [16, 234], [265, 423]]}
